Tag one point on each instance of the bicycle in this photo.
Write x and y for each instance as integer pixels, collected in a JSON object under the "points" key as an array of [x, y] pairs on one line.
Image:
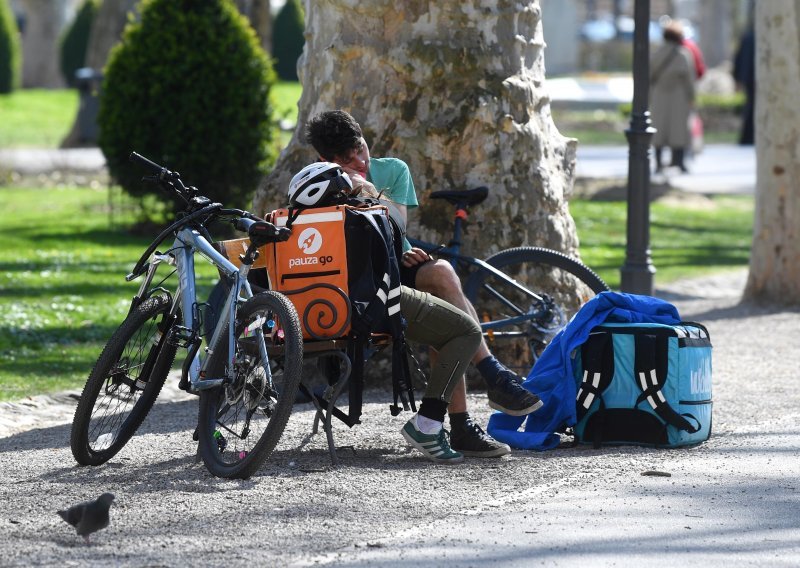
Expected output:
{"points": [[245, 399], [523, 295]]}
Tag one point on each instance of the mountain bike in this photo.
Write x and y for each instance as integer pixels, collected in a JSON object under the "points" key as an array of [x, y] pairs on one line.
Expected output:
{"points": [[246, 378], [523, 295]]}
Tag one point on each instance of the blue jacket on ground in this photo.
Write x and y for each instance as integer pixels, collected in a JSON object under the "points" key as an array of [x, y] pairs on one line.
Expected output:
{"points": [[552, 376]]}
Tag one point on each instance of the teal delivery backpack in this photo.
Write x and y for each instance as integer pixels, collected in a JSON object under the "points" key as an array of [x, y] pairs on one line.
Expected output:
{"points": [[644, 383]]}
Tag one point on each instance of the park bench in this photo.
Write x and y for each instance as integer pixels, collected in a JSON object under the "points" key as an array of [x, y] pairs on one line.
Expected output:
{"points": [[339, 349]]}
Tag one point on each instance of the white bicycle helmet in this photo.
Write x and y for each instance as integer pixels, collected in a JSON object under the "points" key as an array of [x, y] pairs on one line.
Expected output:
{"points": [[317, 183]]}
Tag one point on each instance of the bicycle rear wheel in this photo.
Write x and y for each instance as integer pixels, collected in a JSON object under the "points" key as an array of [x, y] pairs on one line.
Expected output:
{"points": [[124, 383], [561, 285], [242, 421]]}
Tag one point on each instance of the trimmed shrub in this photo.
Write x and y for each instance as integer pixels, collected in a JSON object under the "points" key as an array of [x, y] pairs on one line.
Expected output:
{"points": [[188, 87], [288, 40], [76, 39], [10, 50]]}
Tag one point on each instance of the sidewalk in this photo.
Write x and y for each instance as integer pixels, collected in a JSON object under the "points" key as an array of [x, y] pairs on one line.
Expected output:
{"points": [[721, 168], [731, 501], [42, 161], [600, 91]]}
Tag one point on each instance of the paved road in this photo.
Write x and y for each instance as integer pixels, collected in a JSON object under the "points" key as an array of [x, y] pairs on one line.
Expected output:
{"points": [[36, 161], [732, 501], [720, 168]]}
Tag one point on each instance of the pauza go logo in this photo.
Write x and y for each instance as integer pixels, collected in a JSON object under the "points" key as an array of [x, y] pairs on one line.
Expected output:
{"points": [[309, 241]]}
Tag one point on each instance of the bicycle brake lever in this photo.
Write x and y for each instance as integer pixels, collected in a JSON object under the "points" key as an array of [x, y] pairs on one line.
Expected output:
{"points": [[150, 179]]}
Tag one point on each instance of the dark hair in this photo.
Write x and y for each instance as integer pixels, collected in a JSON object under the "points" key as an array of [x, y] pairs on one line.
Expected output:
{"points": [[333, 133]]}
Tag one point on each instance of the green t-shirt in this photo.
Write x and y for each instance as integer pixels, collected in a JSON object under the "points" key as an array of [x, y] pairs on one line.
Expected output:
{"points": [[392, 177]]}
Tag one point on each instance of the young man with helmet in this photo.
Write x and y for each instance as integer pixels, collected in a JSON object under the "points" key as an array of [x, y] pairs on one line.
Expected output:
{"points": [[430, 320], [337, 137]]}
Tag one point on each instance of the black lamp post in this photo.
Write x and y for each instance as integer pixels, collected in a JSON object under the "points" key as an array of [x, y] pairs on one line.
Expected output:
{"points": [[638, 270]]}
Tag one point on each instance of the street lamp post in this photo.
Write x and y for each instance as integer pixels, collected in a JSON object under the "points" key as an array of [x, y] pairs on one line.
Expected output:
{"points": [[638, 270]]}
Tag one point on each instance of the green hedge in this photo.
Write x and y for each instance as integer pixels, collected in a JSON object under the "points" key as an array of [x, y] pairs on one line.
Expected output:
{"points": [[288, 40], [10, 50], [76, 39], [188, 87], [721, 103]]}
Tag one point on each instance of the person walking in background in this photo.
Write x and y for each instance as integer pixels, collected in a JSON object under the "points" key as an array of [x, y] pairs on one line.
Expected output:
{"points": [[697, 57], [744, 73], [672, 77]]}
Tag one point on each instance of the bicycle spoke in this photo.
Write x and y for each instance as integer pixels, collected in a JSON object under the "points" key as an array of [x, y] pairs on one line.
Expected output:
{"points": [[250, 413], [520, 323]]}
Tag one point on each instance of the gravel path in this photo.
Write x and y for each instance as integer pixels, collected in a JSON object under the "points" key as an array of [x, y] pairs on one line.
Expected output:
{"points": [[732, 500]]}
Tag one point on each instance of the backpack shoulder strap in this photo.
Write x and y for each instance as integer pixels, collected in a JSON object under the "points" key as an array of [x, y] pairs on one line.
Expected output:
{"points": [[651, 365], [597, 360]]}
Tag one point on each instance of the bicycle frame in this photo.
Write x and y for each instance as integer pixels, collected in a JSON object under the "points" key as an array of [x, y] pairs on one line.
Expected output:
{"points": [[188, 242], [457, 260]]}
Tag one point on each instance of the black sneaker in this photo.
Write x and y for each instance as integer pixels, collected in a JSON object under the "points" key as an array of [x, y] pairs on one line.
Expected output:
{"points": [[509, 396], [470, 439]]}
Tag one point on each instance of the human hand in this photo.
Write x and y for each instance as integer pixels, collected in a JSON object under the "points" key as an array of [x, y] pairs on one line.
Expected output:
{"points": [[414, 257], [355, 176]]}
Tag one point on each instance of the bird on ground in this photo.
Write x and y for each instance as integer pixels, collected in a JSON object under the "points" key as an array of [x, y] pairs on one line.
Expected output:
{"points": [[89, 517]]}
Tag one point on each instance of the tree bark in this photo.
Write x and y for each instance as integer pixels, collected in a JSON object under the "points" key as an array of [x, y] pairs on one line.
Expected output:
{"points": [[775, 254], [260, 16], [44, 22], [109, 23], [456, 89], [716, 31]]}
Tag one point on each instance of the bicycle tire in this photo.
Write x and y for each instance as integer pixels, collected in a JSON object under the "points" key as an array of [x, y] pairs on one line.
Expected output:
{"points": [[240, 423], [567, 282], [113, 404]]}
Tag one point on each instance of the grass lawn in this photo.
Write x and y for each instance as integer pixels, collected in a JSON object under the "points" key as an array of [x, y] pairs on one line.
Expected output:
{"points": [[686, 239], [62, 285], [63, 292], [284, 95], [36, 118], [41, 118]]}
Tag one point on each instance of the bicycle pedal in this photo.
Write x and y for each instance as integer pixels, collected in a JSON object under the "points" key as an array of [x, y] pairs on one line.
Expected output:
{"points": [[180, 336]]}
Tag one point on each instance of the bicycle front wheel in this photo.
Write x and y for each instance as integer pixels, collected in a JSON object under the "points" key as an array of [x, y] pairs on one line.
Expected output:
{"points": [[242, 420], [519, 324], [124, 383]]}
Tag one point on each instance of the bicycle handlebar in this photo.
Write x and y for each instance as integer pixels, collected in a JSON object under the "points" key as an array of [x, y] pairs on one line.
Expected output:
{"points": [[150, 165], [170, 181], [198, 208]]}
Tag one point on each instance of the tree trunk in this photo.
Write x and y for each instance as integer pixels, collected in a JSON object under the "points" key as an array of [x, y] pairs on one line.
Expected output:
{"points": [[109, 23], [456, 89], [775, 255], [258, 12], [716, 31], [44, 22]]}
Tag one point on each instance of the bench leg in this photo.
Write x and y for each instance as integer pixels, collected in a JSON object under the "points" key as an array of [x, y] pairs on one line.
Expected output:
{"points": [[331, 395]]}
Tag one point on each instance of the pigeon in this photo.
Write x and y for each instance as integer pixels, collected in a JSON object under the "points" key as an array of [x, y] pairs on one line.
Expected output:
{"points": [[89, 517]]}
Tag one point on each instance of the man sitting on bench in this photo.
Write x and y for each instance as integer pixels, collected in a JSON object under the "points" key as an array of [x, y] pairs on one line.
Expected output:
{"points": [[429, 320], [337, 137]]}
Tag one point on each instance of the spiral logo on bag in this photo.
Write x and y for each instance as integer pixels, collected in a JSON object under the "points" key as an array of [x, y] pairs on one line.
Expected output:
{"points": [[309, 241]]}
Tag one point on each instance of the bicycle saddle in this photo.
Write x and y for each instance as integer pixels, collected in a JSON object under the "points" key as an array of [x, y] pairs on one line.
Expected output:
{"points": [[463, 198]]}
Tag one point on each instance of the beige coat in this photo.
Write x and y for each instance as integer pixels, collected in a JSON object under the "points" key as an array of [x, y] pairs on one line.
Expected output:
{"points": [[672, 76]]}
